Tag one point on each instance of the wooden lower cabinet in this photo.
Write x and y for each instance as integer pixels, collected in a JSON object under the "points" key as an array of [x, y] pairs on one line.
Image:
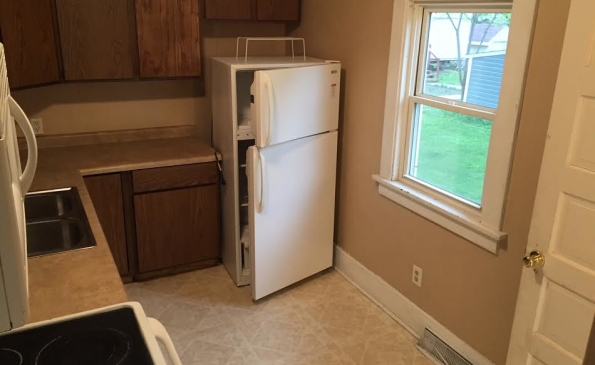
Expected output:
{"points": [[106, 194], [177, 227], [159, 221]]}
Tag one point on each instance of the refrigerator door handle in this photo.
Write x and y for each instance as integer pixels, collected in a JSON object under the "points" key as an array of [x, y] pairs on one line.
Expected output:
{"points": [[269, 86], [21, 118], [261, 166]]}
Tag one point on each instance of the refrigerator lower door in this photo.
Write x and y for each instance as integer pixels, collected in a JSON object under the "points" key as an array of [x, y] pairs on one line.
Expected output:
{"points": [[292, 206], [293, 103]]}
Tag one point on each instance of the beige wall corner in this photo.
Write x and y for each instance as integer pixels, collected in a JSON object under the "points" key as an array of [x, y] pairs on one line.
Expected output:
{"points": [[468, 290], [85, 107]]}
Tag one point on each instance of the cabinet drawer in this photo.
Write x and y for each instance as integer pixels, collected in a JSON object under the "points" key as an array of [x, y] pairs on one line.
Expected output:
{"points": [[174, 177]]}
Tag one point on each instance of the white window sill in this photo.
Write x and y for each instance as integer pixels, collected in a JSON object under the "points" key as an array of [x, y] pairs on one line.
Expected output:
{"points": [[461, 222]]}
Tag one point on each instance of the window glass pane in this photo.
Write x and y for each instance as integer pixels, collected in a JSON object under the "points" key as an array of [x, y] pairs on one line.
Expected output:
{"points": [[449, 150], [465, 56]]}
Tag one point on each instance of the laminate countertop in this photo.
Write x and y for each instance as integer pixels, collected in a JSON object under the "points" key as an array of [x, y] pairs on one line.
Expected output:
{"points": [[76, 281]]}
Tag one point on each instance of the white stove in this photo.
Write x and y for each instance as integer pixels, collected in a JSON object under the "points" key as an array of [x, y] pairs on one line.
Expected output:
{"points": [[117, 335]]}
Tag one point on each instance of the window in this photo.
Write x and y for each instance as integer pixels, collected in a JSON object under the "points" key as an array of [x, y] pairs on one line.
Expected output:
{"points": [[455, 99], [451, 111]]}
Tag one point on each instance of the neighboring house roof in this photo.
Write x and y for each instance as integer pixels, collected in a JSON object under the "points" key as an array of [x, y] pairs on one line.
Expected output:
{"points": [[489, 30]]}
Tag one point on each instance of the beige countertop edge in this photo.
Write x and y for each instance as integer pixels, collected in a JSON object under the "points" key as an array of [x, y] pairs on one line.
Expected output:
{"points": [[144, 165], [75, 281], [86, 279]]}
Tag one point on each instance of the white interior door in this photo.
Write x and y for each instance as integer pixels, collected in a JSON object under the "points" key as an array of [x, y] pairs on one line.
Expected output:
{"points": [[556, 304], [292, 207], [292, 103]]}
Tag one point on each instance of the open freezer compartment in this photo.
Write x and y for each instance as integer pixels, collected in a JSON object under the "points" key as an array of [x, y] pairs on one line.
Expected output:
{"points": [[244, 80]]}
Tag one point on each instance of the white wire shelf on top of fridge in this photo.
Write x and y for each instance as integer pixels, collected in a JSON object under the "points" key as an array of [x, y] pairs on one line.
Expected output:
{"points": [[277, 39]]}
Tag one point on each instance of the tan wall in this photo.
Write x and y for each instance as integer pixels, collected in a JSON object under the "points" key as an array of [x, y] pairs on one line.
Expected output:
{"points": [[467, 289], [106, 106]]}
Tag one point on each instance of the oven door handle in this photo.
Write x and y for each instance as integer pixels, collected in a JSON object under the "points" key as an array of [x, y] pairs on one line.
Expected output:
{"points": [[162, 335]]}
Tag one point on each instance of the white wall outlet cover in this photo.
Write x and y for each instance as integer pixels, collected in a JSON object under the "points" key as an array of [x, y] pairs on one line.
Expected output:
{"points": [[416, 275], [37, 124]]}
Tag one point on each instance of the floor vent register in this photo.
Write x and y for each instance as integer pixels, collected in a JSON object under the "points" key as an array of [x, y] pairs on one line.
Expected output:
{"points": [[439, 351]]}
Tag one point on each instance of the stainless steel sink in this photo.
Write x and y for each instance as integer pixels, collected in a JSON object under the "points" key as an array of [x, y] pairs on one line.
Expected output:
{"points": [[56, 222], [51, 205]]}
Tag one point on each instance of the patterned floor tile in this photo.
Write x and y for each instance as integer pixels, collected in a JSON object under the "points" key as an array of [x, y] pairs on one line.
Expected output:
{"points": [[205, 353], [324, 320]]}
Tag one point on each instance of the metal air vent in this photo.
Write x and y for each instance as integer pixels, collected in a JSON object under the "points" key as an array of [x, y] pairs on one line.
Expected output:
{"points": [[439, 351]]}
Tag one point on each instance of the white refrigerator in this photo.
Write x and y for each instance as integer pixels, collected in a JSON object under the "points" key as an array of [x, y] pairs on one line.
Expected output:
{"points": [[275, 124]]}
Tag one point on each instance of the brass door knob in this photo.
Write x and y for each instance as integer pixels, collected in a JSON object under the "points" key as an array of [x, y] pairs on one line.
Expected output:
{"points": [[534, 260]]}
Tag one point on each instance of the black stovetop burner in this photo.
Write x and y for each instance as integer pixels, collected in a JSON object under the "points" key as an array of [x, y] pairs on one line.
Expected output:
{"points": [[109, 338]]}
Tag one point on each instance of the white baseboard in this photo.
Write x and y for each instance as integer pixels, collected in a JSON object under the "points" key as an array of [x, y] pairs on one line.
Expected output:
{"points": [[401, 309]]}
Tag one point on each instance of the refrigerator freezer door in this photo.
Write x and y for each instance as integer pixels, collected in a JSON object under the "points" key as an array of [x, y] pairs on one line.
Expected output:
{"points": [[292, 207], [293, 103]]}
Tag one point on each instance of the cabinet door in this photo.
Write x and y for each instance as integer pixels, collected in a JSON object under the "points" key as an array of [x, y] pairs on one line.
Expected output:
{"points": [[96, 38], [168, 40], [177, 227], [106, 194], [27, 32], [281, 10], [228, 9]]}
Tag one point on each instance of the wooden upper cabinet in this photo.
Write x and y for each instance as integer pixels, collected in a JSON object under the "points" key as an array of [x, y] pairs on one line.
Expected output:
{"points": [[228, 9], [261, 10], [27, 30], [278, 10], [168, 38], [97, 38]]}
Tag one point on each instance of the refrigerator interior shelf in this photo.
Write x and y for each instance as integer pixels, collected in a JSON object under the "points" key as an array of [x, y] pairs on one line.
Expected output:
{"points": [[245, 241], [244, 132], [245, 237]]}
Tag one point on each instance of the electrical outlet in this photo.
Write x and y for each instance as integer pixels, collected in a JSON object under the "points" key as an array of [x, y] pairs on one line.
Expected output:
{"points": [[37, 124], [416, 275]]}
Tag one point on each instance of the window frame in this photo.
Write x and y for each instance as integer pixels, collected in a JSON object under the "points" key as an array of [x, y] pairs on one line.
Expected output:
{"points": [[480, 224]]}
